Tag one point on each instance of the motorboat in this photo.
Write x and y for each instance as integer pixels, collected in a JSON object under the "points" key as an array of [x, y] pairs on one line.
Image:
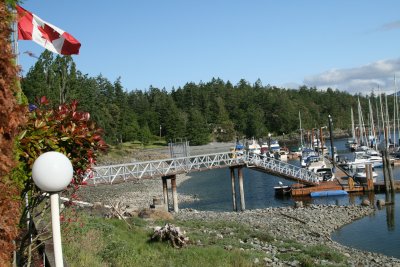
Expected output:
{"points": [[361, 176], [317, 165], [274, 146], [253, 147], [239, 148], [283, 154], [325, 174], [361, 158], [351, 144], [313, 163], [307, 153], [282, 189]]}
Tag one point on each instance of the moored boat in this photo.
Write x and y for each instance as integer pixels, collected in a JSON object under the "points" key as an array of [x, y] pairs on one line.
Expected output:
{"points": [[360, 176], [253, 147]]}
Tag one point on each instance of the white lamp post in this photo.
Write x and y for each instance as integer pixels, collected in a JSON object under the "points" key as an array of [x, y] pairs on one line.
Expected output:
{"points": [[52, 172]]}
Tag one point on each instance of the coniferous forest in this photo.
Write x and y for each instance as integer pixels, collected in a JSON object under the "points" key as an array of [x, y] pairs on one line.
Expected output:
{"points": [[216, 110]]}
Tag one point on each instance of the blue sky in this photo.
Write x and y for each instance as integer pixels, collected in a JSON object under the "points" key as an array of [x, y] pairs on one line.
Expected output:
{"points": [[350, 45]]}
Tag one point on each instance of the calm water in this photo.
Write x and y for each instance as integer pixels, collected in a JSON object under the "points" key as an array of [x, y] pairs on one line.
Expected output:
{"points": [[379, 232]]}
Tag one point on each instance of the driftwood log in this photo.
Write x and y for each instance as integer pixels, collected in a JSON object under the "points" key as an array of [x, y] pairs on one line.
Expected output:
{"points": [[171, 234]]}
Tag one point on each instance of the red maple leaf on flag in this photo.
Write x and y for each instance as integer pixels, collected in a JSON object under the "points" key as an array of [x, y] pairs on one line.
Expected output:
{"points": [[49, 33]]}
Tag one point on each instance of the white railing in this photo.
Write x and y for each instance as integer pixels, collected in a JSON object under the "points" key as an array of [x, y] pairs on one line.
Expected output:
{"points": [[165, 167], [282, 168], [157, 168]]}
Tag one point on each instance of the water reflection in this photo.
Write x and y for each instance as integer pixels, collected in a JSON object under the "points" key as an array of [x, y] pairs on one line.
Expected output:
{"points": [[377, 232], [390, 218]]}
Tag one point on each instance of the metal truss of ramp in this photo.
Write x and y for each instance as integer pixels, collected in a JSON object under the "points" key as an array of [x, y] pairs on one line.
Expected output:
{"points": [[166, 167], [283, 169]]}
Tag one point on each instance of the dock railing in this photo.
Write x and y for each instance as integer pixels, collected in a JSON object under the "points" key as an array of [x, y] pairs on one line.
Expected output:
{"points": [[283, 168], [157, 168], [165, 167]]}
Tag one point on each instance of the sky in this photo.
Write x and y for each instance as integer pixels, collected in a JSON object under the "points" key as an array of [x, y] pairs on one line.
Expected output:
{"points": [[351, 46]]}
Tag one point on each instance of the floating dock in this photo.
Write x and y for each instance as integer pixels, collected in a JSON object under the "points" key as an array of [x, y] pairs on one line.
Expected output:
{"points": [[343, 181]]}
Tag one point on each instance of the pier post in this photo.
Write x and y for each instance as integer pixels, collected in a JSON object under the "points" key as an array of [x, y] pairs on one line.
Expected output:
{"points": [[369, 175], [165, 192], [351, 183], [232, 169], [174, 193], [240, 174]]}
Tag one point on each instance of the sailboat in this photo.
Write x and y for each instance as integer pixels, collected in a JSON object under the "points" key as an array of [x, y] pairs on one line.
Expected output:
{"points": [[352, 142], [301, 147]]}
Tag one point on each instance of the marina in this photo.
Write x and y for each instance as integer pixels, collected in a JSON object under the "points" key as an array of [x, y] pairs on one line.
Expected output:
{"points": [[229, 181], [260, 193]]}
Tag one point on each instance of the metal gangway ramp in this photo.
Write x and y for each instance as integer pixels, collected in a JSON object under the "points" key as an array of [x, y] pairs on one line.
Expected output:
{"points": [[283, 169], [165, 167]]}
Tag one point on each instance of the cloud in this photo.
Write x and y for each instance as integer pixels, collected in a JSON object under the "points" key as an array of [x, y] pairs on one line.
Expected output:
{"points": [[390, 26], [376, 76]]}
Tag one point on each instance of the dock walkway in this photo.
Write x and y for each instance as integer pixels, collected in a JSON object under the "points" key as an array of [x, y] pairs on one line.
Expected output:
{"points": [[161, 168]]}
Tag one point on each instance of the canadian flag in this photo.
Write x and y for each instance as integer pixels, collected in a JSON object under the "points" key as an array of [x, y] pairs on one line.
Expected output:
{"points": [[31, 27]]}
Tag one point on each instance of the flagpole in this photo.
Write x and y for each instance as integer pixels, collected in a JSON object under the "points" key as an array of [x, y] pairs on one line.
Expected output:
{"points": [[15, 37]]}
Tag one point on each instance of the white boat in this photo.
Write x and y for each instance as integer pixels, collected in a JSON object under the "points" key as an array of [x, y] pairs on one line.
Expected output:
{"points": [[275, 147], [307, 154], [318, 165], [362, 157], [282, 189], [361, 176], [313, 163], [283, 154], [325, 174], [351, 144], [253, 147]]}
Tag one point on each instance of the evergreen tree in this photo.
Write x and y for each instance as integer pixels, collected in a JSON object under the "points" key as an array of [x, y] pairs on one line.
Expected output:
{"points": [[197, 129]]}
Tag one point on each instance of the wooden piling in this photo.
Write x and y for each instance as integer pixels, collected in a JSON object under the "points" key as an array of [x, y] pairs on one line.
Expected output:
{"points": [[241, 191], [232, 169], [350, 182], [165, 192], [174, 193], [387, 171], [369, 176]]}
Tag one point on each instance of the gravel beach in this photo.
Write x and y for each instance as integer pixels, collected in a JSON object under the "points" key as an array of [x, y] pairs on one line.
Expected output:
{"points": [[309, 225]]}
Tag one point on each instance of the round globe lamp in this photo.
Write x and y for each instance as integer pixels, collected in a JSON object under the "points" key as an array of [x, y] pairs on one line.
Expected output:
{"points": [[52, 172]]}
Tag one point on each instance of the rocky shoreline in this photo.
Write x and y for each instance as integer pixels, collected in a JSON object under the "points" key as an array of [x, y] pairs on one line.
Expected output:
{"points": [[311, 225], [308, 225]]}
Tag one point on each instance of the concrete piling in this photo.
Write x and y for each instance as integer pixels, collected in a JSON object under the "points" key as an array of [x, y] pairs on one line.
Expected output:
{"points": [[232, 169], [165, 192], [174, 193], [241, 191]]}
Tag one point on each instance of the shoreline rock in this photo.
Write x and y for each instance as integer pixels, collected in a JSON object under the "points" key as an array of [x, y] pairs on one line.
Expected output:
{"points": [[137, 194], [309, 225]]}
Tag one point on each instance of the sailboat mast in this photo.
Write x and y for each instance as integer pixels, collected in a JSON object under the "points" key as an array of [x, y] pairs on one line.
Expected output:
{"points": [[394, 112], [377, 118], [372, 127], [387, 119], [383, 121], [301, 131], [353, 131]]}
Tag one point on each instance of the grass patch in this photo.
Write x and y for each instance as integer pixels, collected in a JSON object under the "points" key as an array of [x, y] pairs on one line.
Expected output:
{"points": [[109, 242], [308, 255]]}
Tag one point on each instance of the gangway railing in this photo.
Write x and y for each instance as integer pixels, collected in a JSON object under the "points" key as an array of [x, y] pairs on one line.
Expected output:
{"points": [[165, 167], [284, 169]]}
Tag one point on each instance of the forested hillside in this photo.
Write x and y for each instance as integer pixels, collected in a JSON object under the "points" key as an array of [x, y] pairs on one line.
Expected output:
{"points": [[215, 110]]}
